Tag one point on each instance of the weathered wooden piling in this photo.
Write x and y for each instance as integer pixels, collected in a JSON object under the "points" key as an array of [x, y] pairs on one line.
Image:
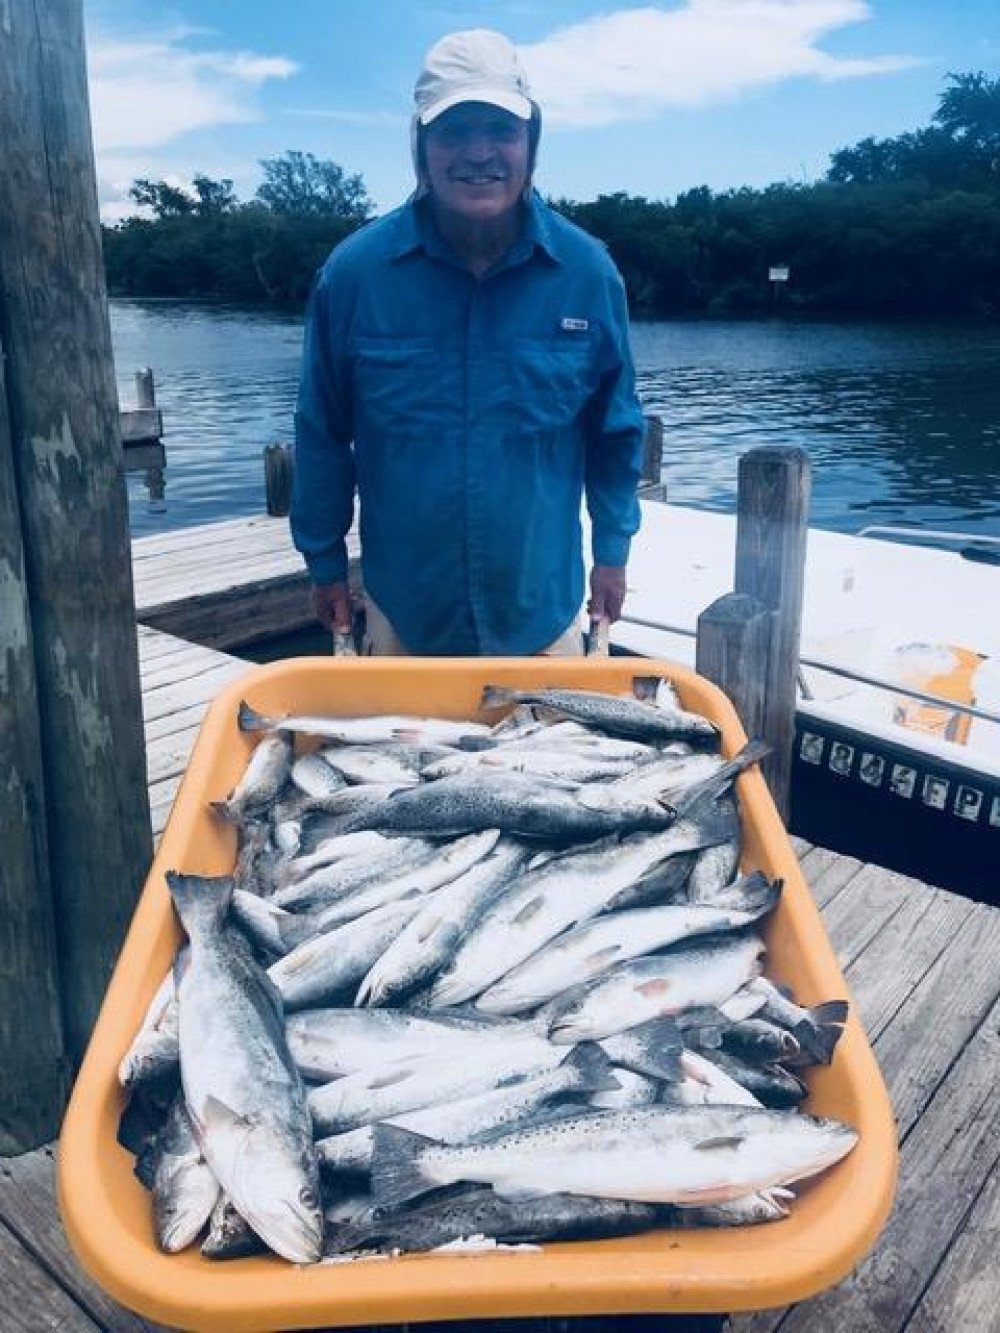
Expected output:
{"points": [[771, 530], [31, 1043], [651, 486], [71, 519], [142, 431], [732, 647], [279, 463]]}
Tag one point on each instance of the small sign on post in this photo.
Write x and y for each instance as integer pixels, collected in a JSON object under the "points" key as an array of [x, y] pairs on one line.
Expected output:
{"points": [[777, 275]]}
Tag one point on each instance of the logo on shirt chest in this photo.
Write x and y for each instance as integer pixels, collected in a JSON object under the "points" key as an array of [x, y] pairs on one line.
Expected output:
{"points": [[570, 325]]}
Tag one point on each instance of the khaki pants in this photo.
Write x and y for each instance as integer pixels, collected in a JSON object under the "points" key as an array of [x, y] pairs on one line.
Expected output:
{"points": [[381, 640]]}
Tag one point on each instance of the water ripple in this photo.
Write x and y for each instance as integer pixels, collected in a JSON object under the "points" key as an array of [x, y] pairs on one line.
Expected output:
{"points": [[901, 422]]}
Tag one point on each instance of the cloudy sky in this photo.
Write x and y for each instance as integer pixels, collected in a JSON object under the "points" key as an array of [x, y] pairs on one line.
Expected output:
{"points": [[650, 99]]}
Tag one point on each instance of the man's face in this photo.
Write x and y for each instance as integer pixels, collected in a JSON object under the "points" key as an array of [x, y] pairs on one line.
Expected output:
{"points": [[477, 160]]}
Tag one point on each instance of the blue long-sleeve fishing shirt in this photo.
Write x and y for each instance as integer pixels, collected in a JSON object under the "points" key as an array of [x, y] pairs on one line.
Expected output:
{"points": [[469, 415]]}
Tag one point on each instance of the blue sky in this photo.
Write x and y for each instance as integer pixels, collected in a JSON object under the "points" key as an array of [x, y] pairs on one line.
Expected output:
{"points": [[652, 99]]}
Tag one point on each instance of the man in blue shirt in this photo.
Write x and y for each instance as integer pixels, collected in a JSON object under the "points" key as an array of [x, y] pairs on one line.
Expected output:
{"points": [[466, 371]]}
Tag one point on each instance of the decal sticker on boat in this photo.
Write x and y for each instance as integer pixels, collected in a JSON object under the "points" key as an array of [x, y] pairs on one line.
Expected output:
{"points": [[903, 780], [841, 758], [871, 770], [811, 748], [968, 803], [935, 791]]}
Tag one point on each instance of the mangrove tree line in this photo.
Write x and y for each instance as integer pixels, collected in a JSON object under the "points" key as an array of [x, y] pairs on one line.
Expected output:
{"points": [[906, 225]]}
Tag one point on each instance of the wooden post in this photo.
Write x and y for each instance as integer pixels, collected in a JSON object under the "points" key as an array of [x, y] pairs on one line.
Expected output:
{"points": [[734, 639], [145, 398], [71, 497], [145, 389], [651, 487], [279, 463], [33, 1085], [772, 514]]}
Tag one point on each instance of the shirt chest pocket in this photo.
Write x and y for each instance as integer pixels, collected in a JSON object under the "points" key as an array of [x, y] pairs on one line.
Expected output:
{"points": [[549, 382], [397, 384]]}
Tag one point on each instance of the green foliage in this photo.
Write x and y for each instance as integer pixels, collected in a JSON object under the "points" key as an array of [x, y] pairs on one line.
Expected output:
{"points": [[301, 185], [908, 225], [208, 244]]}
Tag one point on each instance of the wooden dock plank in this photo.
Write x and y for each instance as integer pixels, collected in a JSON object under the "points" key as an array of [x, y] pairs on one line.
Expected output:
{"points": [[890, 968], [28, 1210], [922, 1051], [945, 1163], [827, 873], [200, 687], [963, 1293], [31, 1301], [861, 909]]}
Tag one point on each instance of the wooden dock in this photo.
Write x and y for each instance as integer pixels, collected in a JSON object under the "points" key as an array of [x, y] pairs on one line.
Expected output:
{"points": [[924, 966]]}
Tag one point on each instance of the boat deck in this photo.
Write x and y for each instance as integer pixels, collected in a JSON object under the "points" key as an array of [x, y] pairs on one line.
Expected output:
{"points": [[924, 966]]}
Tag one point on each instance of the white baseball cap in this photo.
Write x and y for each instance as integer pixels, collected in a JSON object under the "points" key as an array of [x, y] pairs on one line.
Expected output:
{"points": [[474, 66]]}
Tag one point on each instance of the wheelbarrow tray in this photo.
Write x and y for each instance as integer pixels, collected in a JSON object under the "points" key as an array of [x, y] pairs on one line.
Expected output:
{"points": [[107, 1213]]}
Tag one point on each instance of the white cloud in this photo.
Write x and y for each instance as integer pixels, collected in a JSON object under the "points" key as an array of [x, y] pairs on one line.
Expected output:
{"points": [[635, 63], [148, 91]]}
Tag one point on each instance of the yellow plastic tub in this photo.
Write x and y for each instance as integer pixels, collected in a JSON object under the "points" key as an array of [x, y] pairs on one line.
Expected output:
{"points": [[107, 1212]]}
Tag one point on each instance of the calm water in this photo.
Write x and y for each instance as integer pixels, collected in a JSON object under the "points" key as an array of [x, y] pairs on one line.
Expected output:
{"points": [[902, 422]]}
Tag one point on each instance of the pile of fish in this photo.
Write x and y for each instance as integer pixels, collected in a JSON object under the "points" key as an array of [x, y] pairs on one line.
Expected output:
{"points": [[472, 980]]}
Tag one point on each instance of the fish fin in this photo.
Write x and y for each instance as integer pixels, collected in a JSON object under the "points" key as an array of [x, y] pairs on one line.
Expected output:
{"points": [[144, 1167], [396, 1173], [474, 744], [408, 735], [202, 901], [248, 719], [518, 1193], [223, 1117], [531, 908], [722, 1141], [594, 1067]]}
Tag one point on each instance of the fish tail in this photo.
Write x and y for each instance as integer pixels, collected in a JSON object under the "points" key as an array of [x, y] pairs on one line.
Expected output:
{"points": [[248, 719], [754, 894], [498, 696], [752, 753], [202, 901], [645, 688], [658, 1046], [710, 822], [820, 1033], [396, 1166], [593, 1066], [294, 930]]}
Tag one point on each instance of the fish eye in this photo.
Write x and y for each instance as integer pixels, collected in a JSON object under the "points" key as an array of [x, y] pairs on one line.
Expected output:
{"points": [[306, 1197]]}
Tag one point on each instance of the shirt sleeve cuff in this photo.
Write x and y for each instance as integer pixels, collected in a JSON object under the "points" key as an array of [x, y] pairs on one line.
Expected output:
{"points": [[330, 568], [610, 549]]}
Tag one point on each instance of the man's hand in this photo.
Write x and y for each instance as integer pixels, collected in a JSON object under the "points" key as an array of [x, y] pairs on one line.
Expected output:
{"points": [[332, 604], [607, 592]]}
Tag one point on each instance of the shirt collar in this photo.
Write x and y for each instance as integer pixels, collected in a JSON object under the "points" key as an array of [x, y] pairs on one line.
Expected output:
{"points": [[416, 232]]}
